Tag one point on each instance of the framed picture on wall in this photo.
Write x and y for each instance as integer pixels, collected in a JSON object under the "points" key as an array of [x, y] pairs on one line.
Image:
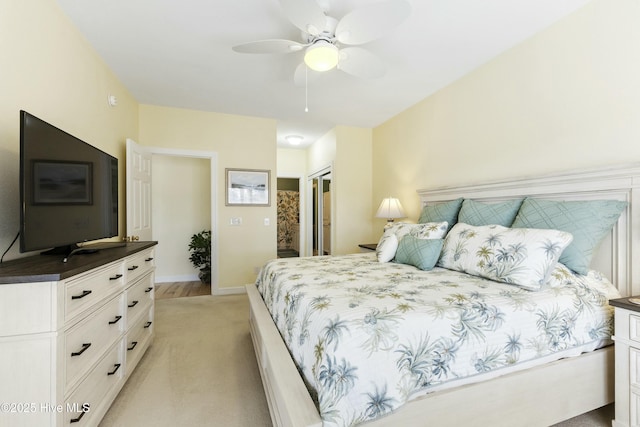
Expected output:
{"points": [[247, 187]]}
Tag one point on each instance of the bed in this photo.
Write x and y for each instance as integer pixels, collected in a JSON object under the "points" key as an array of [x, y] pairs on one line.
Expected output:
{"points": [[573, 384]]}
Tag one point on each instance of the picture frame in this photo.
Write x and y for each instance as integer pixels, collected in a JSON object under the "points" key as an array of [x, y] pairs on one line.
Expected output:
{"points": [[62, 183], [247, 187]]}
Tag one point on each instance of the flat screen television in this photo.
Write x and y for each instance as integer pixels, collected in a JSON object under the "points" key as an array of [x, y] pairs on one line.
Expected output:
{"points": [[68, 189]]}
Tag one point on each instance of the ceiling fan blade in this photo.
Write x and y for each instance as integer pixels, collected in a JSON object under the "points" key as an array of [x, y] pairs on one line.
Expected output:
{"points": [[361, 63], [304, 75], [371, 22], [305, 14], [269, 46]]}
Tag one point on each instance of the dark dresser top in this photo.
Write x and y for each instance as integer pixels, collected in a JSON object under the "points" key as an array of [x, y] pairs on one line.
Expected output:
{"points": [[624, 303], [45, 268]]}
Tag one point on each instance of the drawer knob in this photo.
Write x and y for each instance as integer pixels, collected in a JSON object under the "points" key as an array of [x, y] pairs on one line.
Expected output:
{"points": [[82, 295], [116, 277], [133, 345], [84, 348], [115, 369], [146, 291], [146, 325], [116, 320], [149, 259], [85, 409], [133, 267], [133, 304]]}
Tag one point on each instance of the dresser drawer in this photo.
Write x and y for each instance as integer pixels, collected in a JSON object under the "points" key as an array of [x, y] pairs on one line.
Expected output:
{"points": [[634, 328], [139, 264], [87, 341], [139, 296], [83, 292], [138, 339], [634, 407], [87, 404]]}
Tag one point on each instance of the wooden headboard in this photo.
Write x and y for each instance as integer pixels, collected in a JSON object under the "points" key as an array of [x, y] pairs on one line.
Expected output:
{"points": [[615, 257]]}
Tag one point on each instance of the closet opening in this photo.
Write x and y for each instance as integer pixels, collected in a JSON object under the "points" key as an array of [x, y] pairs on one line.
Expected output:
{"points": [[320, 217]]}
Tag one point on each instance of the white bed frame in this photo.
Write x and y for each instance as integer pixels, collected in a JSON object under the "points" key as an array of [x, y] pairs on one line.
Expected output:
{"points": [[542, 395]]}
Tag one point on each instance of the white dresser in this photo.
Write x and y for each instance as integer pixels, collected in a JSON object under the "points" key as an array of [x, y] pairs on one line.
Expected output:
{"points": [[627, 341], [71, 333]]}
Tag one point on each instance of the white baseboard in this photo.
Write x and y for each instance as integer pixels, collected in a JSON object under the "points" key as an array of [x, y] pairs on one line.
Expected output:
{"points": [[178, 278], [194, 278], [229, 291]]}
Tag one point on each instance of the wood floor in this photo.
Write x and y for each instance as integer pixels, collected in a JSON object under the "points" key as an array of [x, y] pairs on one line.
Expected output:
{"points": [[181, 289]]}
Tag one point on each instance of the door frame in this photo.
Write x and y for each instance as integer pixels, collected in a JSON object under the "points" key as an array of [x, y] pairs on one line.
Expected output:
{"points": [[212, 156], [328, 169], [301, 210]]}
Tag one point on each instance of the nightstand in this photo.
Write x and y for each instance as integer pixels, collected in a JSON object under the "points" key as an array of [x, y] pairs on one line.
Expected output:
{"points": [[627, 339], [368, 247]]}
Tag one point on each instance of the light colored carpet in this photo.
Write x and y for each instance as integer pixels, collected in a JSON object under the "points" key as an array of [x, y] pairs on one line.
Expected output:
{"points": [[201, 371]]}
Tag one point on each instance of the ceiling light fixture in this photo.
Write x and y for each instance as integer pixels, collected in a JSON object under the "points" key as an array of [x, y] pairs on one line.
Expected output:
{"points": [[294, 139], [322, 56]]}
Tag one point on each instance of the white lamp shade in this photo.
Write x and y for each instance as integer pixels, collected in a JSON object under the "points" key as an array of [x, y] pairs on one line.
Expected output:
{"points": [[322, 56], [390, 208]]}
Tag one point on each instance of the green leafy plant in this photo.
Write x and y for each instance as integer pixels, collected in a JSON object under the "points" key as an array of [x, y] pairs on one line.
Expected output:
{"points": [[200, 248]]}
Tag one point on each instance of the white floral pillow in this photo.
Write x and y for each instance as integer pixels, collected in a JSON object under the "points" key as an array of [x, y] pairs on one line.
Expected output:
{"points": [[387, 247], [388, 244], [520, 256]]}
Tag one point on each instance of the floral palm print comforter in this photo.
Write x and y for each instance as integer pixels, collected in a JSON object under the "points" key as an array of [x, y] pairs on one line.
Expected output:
{"points": [[367, 336]]}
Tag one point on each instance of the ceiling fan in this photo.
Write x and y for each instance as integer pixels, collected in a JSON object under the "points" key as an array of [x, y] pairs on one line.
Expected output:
{"points": [[323, 37]]}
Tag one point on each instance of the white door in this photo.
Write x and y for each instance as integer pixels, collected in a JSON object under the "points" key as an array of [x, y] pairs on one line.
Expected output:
{"points": [[138, 180]]}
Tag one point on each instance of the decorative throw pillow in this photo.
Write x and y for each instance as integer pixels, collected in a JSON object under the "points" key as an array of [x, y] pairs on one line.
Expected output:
{"points": [[560, 276], [421, 253], [479, 213], [438, 212], [429, 230], [387, 246], [523, 256], [386, 249], [588, 221]]}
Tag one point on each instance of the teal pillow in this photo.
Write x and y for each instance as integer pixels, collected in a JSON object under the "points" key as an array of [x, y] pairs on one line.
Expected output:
{"points": [[479, 214], [588, 221], [421, 253], [439, 212]]}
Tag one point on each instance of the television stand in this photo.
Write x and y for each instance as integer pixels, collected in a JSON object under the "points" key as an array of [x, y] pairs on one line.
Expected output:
{"points": [[72, 334], [61, 250], [69, 250], [93, 248]]}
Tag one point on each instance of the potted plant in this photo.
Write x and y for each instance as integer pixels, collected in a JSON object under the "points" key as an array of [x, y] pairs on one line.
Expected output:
{"points": [[200, 248]]}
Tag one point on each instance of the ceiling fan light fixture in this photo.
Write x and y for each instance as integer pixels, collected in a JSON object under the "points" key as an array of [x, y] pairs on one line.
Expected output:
{"points": [[322, 56]]}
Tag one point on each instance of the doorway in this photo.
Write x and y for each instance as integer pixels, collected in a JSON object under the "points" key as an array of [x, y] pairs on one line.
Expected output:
{"points": [[139, 203], [180, 208], [288, 199], [320, 187]]}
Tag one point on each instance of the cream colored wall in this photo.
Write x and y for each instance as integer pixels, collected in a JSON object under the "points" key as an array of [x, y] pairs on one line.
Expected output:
{"points": [[240, 142], [349, 151], [181, 207], [48, 69], [567, 98], [352, 224], [292, 162], [322, 153]]}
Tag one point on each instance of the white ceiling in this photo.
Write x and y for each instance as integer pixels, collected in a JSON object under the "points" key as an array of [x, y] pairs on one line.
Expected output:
{"points": [[178, 53]]}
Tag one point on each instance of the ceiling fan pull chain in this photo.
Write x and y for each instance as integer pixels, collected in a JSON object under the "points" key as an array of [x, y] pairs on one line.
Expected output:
{"points": [[306, 89]]}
